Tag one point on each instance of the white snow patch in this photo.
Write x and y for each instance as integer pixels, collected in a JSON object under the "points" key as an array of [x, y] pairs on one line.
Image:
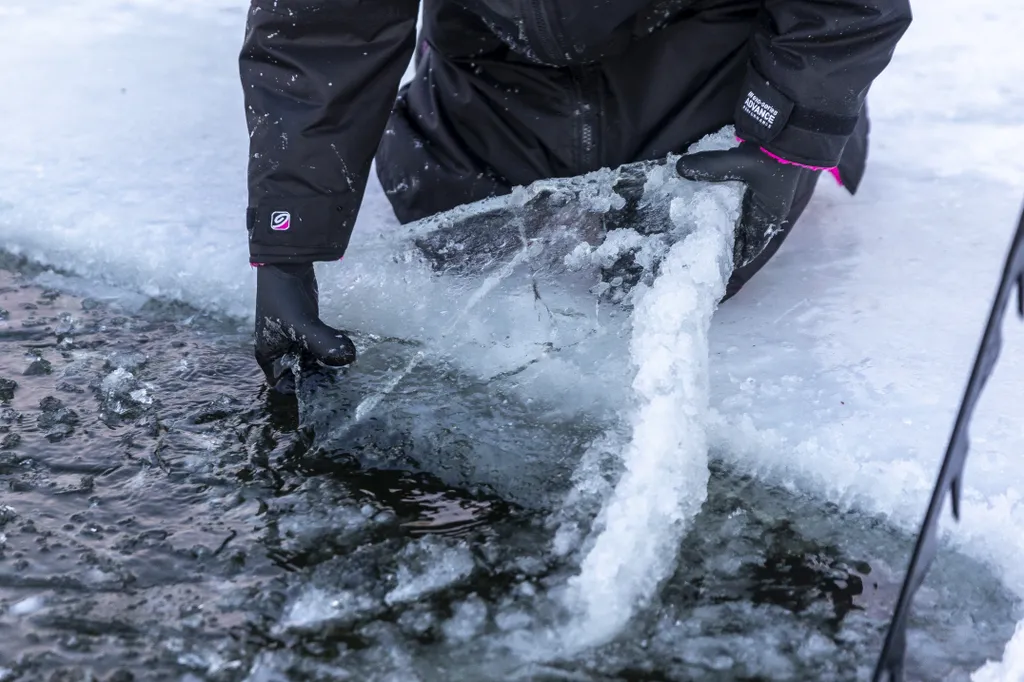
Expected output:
{"points": [[426, 567], [1011, 668], [27, 606], [316, 606]]}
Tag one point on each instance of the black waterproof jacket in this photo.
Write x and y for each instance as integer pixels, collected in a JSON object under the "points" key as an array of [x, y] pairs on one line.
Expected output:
{"points": [[509, 91]]}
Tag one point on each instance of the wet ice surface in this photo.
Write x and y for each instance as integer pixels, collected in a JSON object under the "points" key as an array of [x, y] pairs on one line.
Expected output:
{"points": [[836, 375], [162, 519]]}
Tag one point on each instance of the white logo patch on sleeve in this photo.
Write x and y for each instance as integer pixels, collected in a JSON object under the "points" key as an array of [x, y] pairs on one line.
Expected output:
{"points": [[759, 110]]}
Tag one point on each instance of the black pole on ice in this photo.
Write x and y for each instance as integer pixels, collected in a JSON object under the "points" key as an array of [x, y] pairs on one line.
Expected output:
{"points": [[891, 661]]}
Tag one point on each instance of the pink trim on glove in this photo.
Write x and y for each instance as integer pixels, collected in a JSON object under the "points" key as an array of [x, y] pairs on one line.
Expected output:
{"points": [[833, 171]]}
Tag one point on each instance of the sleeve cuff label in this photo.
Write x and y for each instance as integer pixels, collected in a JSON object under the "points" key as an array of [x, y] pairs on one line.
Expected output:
{"points": [[762, 109]]}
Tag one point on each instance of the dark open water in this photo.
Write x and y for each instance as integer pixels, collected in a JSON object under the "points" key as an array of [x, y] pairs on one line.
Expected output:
{"points": [[162, 518]]}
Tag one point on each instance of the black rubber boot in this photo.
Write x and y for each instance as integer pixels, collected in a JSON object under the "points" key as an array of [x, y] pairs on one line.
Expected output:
{"points": [[288, 322]]}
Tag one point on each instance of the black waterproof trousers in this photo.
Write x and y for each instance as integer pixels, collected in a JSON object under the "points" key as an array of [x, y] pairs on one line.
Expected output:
{"points": [[511, 91], [467, 128]]}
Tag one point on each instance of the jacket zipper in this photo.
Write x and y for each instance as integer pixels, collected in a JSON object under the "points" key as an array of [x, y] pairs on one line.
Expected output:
{"points": [[549, 47], [586, 105], [586, 81]]}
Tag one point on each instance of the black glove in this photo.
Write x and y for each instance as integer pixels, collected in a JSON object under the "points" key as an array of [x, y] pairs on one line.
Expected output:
{"points": [[768, 200], [288, 321]]}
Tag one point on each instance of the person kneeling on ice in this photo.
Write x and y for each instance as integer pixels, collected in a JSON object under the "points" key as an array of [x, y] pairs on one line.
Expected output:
{"points": [[507, 92]]}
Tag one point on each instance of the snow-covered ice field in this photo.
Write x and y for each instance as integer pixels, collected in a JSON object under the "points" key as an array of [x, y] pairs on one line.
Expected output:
{"points": [[837, 371]]}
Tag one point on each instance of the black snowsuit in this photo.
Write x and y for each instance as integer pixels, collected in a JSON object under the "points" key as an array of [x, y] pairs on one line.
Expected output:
{"points": [[510, 91]]}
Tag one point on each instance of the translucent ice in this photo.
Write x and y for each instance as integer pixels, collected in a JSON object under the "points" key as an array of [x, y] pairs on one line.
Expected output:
{"points": [[835, 372]]}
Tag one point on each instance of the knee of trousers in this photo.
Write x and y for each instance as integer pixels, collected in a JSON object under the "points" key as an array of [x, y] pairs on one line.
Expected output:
{"points": [[424, 169]]}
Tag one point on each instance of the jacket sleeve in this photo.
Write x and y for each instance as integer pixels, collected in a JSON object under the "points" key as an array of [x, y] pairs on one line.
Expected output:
{"points": [[319, 79], [811, 64]]}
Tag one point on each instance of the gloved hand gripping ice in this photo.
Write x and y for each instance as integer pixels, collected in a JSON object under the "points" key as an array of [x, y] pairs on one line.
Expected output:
{"points": [[288, 321], [768, 200]]}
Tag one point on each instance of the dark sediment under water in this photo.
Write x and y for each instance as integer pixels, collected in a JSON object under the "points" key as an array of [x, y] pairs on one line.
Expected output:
{"points": [[163, 518]]}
